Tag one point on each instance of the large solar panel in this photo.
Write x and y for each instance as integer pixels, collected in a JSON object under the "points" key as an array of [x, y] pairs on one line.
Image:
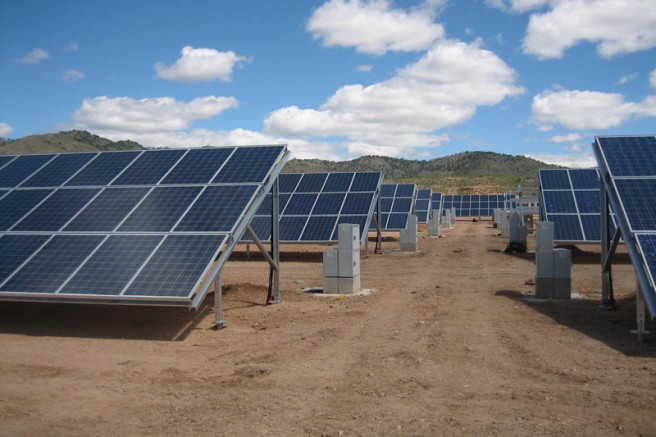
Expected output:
{"points": [[423, 204], [628, 168], [397, 201], [136, 227], [570, 199], [473, 205], [312, 205]]}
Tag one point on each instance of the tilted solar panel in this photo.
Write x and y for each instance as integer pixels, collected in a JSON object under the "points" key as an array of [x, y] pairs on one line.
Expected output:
{"points": [[628, 168], [397, 202], [472, 205], [423, 204], [312, 205], [126, 227], [570, 199]]}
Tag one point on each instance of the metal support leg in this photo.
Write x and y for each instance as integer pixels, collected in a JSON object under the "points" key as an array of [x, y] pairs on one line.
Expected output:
{"points": [[219, 322], [275, 243], [640, 331]]}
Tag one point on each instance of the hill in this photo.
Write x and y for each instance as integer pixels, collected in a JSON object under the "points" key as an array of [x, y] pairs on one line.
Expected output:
{"points": [[69, 141], [467, 172]]}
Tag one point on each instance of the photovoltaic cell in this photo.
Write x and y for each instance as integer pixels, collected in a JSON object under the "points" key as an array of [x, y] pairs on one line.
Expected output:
{"points": [[587, 201], [584, 179], [397, 201], [160, 210], [176, 266], [21, 168], [59, 170], [287, 182], [217, 209], [647, 244], [300, 204], [319, 228], [149, 167], [56, 210], [566, 227], [15, 250], [107, 210], [638, 197], [554, 180], [112, 266], [47, 270], [423, 204], [357, 203], [366, 181], [311, 183], [338, 182], [291, 227], [329, 204], [18, 203], [103, 169], [248, 164], [559, 202], [198, 166], [4, 160]]}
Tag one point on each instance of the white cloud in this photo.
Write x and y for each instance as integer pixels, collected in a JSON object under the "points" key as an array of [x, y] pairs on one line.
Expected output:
{"points": [[565, 138], [365, 68], [5, 130], [516, 5], [70, 75], [578, 110], [201, 65], [627, 78], [616, 26], [36, 56], [399, 116], [374, 26], [652, 79], [571, 160], [73, 46], [161, 114]]}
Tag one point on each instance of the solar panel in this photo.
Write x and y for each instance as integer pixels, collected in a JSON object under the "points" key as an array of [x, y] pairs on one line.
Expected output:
{"points": [[126, 227], [628, 166], [311, 205], [436, 202], [570, 199], [397, 201], [423, 204], [473, 205]]}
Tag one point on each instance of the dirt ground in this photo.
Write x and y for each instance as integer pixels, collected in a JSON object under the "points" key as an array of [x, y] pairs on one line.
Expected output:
{"points": [[448, 343]]}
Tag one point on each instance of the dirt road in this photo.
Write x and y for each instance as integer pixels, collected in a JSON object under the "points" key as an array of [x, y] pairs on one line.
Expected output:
{"points": [[446, 344]]}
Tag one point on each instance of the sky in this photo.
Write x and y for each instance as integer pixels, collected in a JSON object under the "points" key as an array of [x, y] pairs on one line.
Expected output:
{"points": [[334, 79]]}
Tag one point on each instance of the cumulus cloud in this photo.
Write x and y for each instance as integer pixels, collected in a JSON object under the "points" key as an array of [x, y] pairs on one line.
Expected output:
{"points": [[400, 115], [652, 79], [375, 27], [161, 114], [516, 5], [365, 68], [615, 26], [5, 130], [36, 56], [201, 65], [578, 110], [570, 160], [70, 75], [566, 138], [627, 78]]}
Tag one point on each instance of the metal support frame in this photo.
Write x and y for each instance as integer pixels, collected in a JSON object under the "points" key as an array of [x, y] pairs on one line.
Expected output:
{"points": [[275, 244], [607, 250], [378, 216], [219, 321], [640, 331]]}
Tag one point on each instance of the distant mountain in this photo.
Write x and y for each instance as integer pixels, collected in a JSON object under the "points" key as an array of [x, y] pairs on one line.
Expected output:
{"points": [[69, 141], [467, 172], [460, 164]]}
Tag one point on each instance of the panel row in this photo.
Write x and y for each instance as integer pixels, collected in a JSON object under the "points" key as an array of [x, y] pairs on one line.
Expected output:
{"points": [[127, 266], [473, 205], [142, 209], [150, 167], [423, 204]]}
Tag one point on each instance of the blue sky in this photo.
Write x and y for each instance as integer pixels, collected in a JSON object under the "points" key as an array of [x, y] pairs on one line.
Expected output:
{"points": [[334, 79]]}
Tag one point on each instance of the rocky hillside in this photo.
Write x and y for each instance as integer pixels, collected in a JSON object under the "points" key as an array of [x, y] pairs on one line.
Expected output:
{"points": [[69, 141]]}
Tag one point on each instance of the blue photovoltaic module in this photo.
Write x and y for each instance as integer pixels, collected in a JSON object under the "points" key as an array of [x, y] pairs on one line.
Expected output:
{"points": [[126, 227]]}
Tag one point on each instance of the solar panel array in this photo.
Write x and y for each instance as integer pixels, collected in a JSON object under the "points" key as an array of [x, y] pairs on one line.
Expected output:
{"points": [[628, 165], [423, 204], [397, 201], [312, 205], [473, 205], [124, 227], [570, 199]]}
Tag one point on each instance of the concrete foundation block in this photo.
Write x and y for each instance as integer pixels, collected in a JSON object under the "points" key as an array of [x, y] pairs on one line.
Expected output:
{"points": [[330, 285], [544, 288], [349, 285], [562, 288]]}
